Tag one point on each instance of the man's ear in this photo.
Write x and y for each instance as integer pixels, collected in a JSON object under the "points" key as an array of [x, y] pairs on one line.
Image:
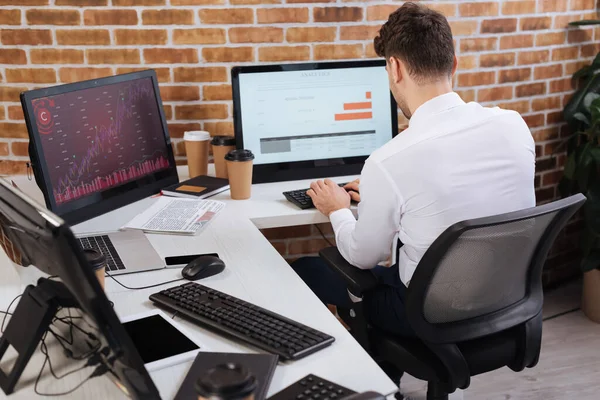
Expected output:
{"points": [[395, 67], [455, 65]]}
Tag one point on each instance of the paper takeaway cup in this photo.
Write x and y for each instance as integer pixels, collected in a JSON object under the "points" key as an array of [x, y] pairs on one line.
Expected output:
{"points": [[196, 148], [222, 145], [239, 168]]}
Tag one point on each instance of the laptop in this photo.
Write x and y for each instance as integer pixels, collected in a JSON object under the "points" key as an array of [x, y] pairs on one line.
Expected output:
{"points": [[99, 145]]}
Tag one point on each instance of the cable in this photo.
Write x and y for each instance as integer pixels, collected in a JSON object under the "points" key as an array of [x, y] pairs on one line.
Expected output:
{"points": [[561, 314], [7, 312], [142, 287], [322, 234]]}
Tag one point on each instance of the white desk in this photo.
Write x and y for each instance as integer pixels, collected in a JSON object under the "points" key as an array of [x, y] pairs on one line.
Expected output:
{"points": [[255, 272]]}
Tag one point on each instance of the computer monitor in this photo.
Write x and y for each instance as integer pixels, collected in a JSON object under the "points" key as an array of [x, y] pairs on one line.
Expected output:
{"points": [[312, 120], [100, 144], [45, 241]]}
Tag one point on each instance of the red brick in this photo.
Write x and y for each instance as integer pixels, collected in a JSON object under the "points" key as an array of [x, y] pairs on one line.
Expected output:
{"points": [[550, 39], [256, 35], [197, 2], [141, 36], [10, 17], [561, 85], [15, 112], [24, 2], [572, 67], [545, 134], [522, 107], [463, 28], [179, 93], [448, 10], [562, 21], [531, 89], [351, 32], [126, 3], [552, 5], [284, 53], [177, 130], [110, 17], [478, 9], [281, 15], [216, 92], [536, 23], [548, 71], [370, 51], [518, 7], [228, 16], [497, 60], [9, 167], [228, 54], [299, 231], [546, 103], [10, 93], [495, 93], [590, 50], [479, 44], [200, 74], [82, 3], [201, 111], [565, 53], [89, 37], [514, 75], [337, 51], [37, 75], [68, 75], [583, 5], [499, 25], [551, 178], [466, 95], [13, 130], [380, 12], [162, 74], [476, 79], [467, 62], [168, 110], [56, 56], [53, 17], [26, 36], [337, 14], [12, 56], [20, 149], [314, 34], [555, 117], [237, 2], [534, 120], [199, 36], [4, 149], [516, 41], [580, 35], [167, 17], [534, 57], [170, 56], [113, 56], [219, 127]]}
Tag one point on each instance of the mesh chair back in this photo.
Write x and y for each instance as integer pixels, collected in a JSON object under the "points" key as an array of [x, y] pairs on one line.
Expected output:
{"points": [[484, 270]]}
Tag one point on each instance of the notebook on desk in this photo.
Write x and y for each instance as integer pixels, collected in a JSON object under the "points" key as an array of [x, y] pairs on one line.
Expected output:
{"points": [[262, 366], [200, 187]]}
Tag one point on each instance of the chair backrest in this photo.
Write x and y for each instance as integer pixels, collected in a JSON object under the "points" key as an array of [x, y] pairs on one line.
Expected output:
{"points": [[483, 276]]}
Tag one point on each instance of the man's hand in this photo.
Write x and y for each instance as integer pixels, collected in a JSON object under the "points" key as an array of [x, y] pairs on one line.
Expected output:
{"points": [[353, 190], [328, 196]]}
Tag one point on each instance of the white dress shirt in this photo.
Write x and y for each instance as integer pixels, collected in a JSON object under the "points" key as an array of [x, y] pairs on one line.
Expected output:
{"points": [[455, 161]]}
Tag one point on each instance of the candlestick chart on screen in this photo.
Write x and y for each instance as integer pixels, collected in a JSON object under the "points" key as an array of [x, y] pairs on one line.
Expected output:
{"points": [[100, 138]]}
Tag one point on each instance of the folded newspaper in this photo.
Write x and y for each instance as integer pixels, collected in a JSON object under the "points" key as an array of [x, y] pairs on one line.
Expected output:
{"points": [[175, 215]]}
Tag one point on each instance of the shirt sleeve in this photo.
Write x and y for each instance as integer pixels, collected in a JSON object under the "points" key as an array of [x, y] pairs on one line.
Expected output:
{"points": [[368, 241]]}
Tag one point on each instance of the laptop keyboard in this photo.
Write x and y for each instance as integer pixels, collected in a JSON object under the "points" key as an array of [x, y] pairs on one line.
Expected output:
{"points": [[103, 244]]}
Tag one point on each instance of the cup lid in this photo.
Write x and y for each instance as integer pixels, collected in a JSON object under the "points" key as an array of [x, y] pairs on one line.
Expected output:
{"points": [[227, 381], [96, 259], [223, 141], [239, 155], [196, 136]]}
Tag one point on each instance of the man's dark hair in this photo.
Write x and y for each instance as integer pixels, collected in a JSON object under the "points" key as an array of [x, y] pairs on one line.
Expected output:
{"points": [[421, 38]]}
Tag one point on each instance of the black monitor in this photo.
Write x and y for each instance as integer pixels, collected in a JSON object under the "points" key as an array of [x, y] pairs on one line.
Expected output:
{"points": [[100, 144], [40, 238], [312, 120]]}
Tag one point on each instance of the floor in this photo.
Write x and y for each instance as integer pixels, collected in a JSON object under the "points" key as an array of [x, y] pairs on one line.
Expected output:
{"points": [[569, 366]]}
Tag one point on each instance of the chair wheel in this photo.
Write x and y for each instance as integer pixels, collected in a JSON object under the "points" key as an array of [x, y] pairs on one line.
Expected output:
{"points": [[399, 396]]}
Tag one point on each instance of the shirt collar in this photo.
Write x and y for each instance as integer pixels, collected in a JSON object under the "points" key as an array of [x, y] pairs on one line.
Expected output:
{"points": [[434, 106]]}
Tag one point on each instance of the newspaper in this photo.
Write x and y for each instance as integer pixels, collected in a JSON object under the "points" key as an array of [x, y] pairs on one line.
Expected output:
{"points": [[176, 215]]}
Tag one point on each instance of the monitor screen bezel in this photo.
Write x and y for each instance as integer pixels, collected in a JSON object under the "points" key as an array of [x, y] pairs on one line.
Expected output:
{"points": [[296, 170], [88, 207]]}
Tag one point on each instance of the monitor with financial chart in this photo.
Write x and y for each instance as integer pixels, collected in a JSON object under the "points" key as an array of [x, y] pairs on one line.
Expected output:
{"points": [[99, 144], [312, 120]]}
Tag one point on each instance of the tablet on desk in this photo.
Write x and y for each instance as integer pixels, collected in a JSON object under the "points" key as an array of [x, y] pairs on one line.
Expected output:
{"points": [[160, 341]]}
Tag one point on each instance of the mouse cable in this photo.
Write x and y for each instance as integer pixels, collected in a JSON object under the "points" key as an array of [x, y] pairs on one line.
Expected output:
{"points": [[143, 287], [7, 312]]}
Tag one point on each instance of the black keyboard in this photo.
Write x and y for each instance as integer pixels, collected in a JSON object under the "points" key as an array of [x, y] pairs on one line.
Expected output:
{"points": [[242, 320], [301, 199], [312, 387], [104, 245]]}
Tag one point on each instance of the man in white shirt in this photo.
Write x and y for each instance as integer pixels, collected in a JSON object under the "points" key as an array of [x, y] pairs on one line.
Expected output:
{"points": [[455, 161]]}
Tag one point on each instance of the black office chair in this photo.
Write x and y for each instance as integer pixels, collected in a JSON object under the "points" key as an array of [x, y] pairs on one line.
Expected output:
{"points": [[474, 302]]}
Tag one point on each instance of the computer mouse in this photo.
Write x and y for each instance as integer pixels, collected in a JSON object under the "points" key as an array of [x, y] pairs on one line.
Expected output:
{"points": [[203, 267]]}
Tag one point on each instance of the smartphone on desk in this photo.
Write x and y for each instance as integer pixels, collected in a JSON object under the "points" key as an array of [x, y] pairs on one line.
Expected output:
{"points": [[182, 261]]}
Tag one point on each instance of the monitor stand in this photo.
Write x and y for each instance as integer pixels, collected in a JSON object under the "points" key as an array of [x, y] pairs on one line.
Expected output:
{"points": [[30, 320]]}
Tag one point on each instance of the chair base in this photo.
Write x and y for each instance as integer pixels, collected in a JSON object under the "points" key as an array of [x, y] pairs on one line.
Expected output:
{"points": [[435, 392]]}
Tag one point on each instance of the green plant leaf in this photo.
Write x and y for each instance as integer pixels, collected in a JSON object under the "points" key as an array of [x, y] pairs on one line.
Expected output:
{"points": [[589, 99], [581, 117], [591, 261], [575, 105], [570, 166], [596, 61], [583, 169], [585, 22], [583, 73], [591, 208]]}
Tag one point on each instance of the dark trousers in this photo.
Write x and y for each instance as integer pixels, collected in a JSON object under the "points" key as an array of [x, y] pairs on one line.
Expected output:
{"points": [[384, 306]]}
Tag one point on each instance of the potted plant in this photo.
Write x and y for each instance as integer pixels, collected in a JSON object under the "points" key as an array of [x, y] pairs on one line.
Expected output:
{"points": [[582, 174]]}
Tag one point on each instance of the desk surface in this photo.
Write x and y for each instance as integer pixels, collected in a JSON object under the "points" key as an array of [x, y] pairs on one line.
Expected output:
{"points": [[255, 272]]}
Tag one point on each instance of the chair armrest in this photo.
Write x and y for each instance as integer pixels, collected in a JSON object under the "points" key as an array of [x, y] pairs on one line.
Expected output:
{"points": [[359, 280]]}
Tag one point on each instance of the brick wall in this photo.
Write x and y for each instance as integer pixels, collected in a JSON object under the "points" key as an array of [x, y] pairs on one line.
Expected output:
{"points": [[515, 54]]}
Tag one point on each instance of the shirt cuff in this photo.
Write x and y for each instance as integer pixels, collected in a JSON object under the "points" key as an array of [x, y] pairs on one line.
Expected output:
{"points": [[338, 217]]}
